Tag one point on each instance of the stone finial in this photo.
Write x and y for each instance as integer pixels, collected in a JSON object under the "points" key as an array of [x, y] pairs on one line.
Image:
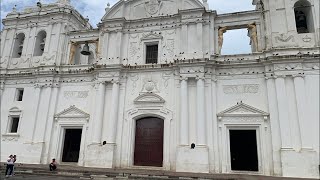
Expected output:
{"points": [[107, 8], [14, 8], [205, 4]]}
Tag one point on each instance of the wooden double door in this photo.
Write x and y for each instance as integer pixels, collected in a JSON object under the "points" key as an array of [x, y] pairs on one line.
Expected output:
{"points": [[148, 150]]}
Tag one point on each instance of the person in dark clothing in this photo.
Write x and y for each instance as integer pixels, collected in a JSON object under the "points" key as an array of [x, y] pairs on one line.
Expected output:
{"points": [[53, 165]]}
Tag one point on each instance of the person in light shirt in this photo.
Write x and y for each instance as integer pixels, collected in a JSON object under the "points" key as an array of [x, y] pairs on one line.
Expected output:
{"points": [[9, 169]]}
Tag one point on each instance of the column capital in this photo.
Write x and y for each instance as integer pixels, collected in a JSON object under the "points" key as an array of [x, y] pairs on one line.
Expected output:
{"points": [[298, 75], [183, 78], [115, 81], [200, 78], [279, 76], [214, 79]]}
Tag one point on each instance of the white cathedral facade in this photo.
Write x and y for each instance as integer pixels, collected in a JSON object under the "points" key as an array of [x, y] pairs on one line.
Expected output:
{"points": [[150, 88]]}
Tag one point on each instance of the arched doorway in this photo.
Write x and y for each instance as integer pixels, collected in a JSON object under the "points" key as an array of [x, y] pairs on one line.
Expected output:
{"points": [[148, 149]]}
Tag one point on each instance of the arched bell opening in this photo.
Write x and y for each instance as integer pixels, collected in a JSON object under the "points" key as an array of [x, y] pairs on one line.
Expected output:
{"points": [[40, 43], [303, 17], [18, 46]]}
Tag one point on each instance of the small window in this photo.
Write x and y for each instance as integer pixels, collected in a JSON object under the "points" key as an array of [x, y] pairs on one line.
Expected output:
{"points": [[14, 124], [19, 95], [152, 54]]}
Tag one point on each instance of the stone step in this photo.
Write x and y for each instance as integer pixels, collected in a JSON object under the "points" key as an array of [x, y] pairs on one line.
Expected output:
{"points": [[104, 173]]}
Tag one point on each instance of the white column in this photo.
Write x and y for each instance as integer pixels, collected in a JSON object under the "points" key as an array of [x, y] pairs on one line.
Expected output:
{"points": [[48, 38], [306, 126], [119, 45], [113, 118], [42, 115], [199, 40], [36, 101], [184, 113], [201, 124], [184, 39], [99, 113], [26, 44], [275, 126], [215, 126], [283, 112], [105, 45]]}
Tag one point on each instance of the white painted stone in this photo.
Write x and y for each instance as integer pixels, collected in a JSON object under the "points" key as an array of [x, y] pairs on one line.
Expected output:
{"points": [[199, 95]]}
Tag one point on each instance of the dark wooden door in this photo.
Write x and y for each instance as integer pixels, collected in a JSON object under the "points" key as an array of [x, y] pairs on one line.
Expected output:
{"points": [[148, 149]]}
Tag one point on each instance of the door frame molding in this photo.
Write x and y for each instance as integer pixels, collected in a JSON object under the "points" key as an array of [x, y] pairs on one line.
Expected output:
{"points": [[130, 127]]}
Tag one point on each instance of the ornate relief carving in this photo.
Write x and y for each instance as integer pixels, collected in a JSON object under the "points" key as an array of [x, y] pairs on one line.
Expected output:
{"points": [[240, 89], [284, 38], [311, 65], [152, 7], [288, 66], [48, 58], [75, 94], [149, 85], [168, 48], [306, 38], [166, 76], [151, 36], [3, 60], [134, 78]]}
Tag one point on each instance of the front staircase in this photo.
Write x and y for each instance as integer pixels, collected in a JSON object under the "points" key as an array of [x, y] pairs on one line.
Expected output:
{"points": [[115, 174]]}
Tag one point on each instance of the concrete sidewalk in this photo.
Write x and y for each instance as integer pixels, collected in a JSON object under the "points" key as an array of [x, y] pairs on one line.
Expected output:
{"points": [[104, 173]]}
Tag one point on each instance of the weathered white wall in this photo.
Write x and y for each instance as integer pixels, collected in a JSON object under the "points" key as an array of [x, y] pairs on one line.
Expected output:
{"points": [[271, 92]]}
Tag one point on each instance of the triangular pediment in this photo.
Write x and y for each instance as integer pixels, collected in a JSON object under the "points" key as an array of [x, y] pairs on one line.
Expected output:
{"points": [[139, 9], [242, 109], [71, 112], [151, 36], [149, 98]]}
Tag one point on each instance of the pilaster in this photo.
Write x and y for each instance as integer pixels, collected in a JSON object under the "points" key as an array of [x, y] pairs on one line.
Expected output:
{"points": [[184, 113], [275, 125], [283, 112], [201, 124], [305, 126], [98, 116]]}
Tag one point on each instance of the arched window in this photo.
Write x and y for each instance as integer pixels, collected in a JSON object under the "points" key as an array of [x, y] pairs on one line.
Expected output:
{"points": [[303, 16], [40, 43], [18, 46]]}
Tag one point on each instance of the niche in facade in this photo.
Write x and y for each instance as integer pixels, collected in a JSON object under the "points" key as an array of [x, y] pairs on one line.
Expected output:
{"points": [[303, 16], [18, 46], [40, 43]]}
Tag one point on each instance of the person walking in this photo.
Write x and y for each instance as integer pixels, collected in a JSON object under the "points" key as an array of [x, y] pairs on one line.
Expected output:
{"points": [[9, 168]]}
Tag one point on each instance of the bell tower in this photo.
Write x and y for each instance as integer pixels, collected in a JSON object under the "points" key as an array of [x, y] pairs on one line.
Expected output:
{"points": [[291, 24], [38, 35]]}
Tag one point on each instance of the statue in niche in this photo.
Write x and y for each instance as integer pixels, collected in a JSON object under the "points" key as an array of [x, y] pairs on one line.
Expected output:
{"points": [[221, 31], [72, 52], [252, 30], [301, 22]]}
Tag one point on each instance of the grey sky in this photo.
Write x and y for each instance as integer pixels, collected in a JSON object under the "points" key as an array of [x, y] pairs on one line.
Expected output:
{"points": [[94, 9]]}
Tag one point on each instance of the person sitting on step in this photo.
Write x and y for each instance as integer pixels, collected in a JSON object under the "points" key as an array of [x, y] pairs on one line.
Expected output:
{"points": [[53, 165]]}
